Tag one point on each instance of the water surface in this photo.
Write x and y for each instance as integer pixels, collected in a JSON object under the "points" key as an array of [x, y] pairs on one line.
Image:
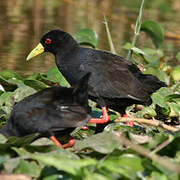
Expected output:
{"points": [[23, 22]]}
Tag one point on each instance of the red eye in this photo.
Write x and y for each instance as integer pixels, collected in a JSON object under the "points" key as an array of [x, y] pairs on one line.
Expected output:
{"points": [[48, 41]]}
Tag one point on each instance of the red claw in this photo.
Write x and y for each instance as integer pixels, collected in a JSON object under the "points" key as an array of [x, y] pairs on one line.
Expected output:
{"points": [[104, 119], [67, 145], [128, 123]]}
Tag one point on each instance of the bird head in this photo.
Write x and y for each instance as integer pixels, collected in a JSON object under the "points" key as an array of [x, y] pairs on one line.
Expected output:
{"points": [[53, 41]]}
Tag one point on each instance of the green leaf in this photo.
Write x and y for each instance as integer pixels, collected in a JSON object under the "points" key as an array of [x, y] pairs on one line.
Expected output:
{"points": [[127, 165], [87, 36], [97, 143], [175, 74], [29, 168], [147, 112], [139, 51], [155, 31], [158, 176], [159, 96], [22, 92], [172, 97], [8, 74], [175, 109], [55, 76], [63, 162], [34, 76], [37, 85]]}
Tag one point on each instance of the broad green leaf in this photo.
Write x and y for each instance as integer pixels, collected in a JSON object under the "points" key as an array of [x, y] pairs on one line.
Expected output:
{"points": [[175, 109], [139, 51], [97, 143], [8, 74], [147, 112], [87, 36], [3, 139], [37, 85], [127, 165], [155, 31], [172, 97], [34, 76], [158, 176], [159, 96], [157, 139], [175, 74], [22, 92], [55, 76], [157, 72], [28, 168], [92, 175], [6, 102], [64, 163]]}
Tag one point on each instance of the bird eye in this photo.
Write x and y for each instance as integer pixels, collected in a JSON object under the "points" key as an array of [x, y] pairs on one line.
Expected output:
{"points": [[48, 41]]}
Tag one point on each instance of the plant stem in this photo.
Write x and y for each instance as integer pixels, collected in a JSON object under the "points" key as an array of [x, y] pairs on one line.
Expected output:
{"points": [[137, 30], [152, 122], [145, 152], [109, 36]]}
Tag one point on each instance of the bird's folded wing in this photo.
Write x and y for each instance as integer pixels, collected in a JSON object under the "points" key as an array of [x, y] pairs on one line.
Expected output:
{"points": [[113, 79]]}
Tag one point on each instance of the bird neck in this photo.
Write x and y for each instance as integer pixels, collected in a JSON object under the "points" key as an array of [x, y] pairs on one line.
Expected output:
{"points": [[66, 47]]}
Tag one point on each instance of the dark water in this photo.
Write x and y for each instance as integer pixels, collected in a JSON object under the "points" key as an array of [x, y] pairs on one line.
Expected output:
{"points": [[23, 22]]}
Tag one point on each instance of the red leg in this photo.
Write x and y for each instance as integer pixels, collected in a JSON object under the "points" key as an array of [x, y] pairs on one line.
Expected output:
{"points": [[56, 142], [67, 145], [128, 123], [70, 143], [104, 119]]}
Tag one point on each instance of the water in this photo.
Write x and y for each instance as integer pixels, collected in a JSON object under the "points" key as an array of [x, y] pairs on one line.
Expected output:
{"points": [[22, 23]]}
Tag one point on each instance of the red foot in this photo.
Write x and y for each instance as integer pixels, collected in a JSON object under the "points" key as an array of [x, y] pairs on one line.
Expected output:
{"points": [[84, 127], [104, 119], [128, 123], [67, 145], [56, 142]]}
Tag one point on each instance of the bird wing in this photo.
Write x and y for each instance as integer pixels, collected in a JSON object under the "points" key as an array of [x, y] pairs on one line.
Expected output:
{"points": [[67, 116], [112, 78], [40, 112]]}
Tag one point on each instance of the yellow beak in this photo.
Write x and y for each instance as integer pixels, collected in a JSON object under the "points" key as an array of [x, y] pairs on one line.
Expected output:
{"points": [[36, 51]]}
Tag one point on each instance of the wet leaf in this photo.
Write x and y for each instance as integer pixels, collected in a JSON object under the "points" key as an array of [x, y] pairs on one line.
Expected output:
{"points": [[8, 74], [55, 76], [37, 85], [147, 112], [97, 143], [155, 31], [22, 92], [28, 168], [127, 165], [62, 162], [87, 36], [175, 74]]}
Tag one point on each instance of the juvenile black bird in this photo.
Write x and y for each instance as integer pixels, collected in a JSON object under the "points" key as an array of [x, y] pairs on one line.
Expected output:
{"points": [[52, 112], [115, 82]]}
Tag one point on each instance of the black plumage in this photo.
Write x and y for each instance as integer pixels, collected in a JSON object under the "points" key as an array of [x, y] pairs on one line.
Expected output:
{"points": [[53, 111], [115, 82]]}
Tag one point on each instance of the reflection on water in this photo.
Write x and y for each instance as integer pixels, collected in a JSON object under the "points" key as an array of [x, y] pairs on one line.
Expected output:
{"points": [[22, 23]]}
